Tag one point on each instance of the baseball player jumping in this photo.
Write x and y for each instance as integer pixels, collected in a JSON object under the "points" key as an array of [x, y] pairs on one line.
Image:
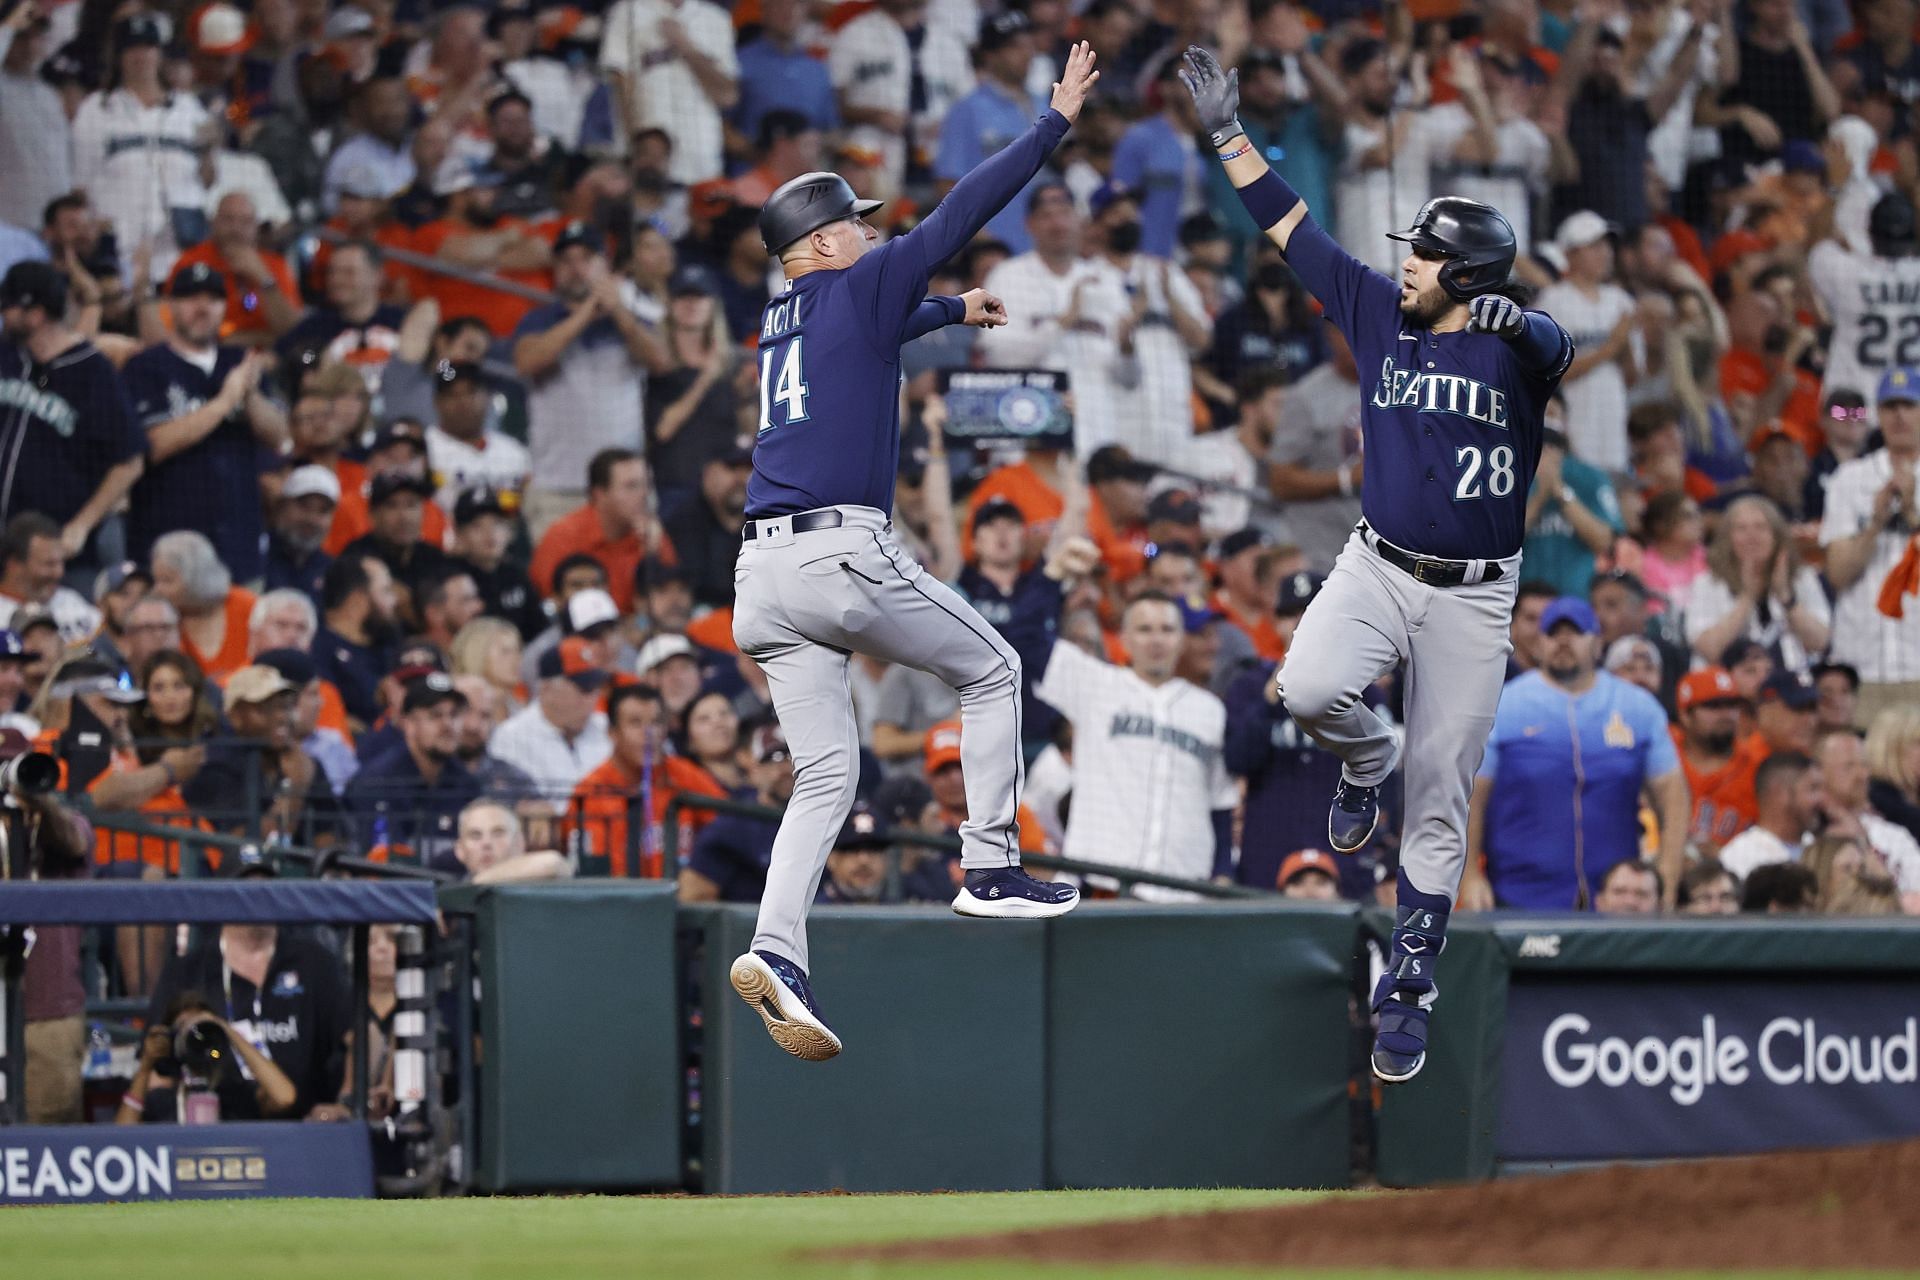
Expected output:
{"points": [[820, 576], [1455, 379]]}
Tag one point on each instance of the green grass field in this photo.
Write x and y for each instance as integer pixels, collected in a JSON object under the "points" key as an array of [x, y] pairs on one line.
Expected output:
{"points": [[571, 1238]]}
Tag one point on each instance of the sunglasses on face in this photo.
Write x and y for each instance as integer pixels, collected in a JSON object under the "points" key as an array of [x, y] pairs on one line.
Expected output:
{"points": [[1840, 413]]}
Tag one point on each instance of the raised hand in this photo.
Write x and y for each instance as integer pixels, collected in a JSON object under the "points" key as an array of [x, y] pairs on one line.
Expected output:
{"points": [[1491, 313], [1216, 95], [1076, 81], [984, 311]]}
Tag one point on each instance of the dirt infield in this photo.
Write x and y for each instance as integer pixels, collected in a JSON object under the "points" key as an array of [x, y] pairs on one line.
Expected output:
{"points": [[1811, 1210]]}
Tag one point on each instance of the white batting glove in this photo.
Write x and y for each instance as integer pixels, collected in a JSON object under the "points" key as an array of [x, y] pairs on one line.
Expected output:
{"points": [[1491, 313]]}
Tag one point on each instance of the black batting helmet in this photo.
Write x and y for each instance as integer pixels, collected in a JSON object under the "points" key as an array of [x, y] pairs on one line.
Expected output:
{"points": [[807, 203], [1476, 238], [1891, 227]]}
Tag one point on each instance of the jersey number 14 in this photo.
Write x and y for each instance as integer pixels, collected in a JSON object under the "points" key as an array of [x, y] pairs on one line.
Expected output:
{"points": [[786, 394]]}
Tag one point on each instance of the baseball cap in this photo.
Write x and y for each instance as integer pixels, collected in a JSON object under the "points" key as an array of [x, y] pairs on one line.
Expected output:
{"points": [[30, 617], [294, 665], [1772, 429], [219, 29], [943, 746], [1106, 194], [1297, 591], [691, 282], [902, 799], [770, 745], [1002, 29], [430, 690], [589, 609], [418, 658], [1194, 617], [482, 500], [1176, 505], [997, 509], [347, 22], [455, 174], [660, 650], [34, 284], [139, 29], [654, 573], [569, 658], [1569, 609], [1242, 540], [1303, 860], [256, 683], [1580, 230], [1740, 648], [12, 648], [1627, 648], [737, 454], [116, 576], [400, 431], [1792, 689], [1114, 462], [450, 373], [362, 181], [1847, 669], [197, 280], [1705, 687], [391, 484], [581, 234], [312, 481], [88, 675], [862, 829], [1899, 383]]}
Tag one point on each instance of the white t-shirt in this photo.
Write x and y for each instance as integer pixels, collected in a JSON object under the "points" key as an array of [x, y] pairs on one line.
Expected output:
{"points": [[138, 163], [1220, 457], [1883, 650], [1756, 847], [871, 65], [1875, 306], [1709, 600], [1369, 202], [1518, 172], [499, 462], [1147, 768], [531, 741], [1156, 425], [1597, 400], [1104, 386], [666, 93]]}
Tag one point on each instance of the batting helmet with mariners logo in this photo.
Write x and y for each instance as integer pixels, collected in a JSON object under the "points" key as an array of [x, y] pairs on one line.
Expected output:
{"points": [[807, 203], [1476, 239]]}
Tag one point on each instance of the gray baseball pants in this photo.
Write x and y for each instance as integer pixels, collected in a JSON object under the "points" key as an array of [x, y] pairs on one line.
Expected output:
{"points": [[803, 605], [1455, 641]]}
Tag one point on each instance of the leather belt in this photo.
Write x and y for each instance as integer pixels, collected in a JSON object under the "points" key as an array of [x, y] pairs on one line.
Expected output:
{"points": [[805, 522], [1432, 571]]}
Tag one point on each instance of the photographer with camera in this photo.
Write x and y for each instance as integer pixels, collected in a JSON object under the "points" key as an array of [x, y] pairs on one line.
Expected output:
{"points": [[41, 839], [197, 1069]]}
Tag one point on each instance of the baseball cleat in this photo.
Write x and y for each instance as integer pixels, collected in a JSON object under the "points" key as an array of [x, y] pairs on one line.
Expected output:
{"points": [[777, 990], [1008, 893], [1400, 1043], [1352, 816]]}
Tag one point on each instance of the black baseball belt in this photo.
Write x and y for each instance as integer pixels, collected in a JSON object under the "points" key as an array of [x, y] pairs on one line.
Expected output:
{"points": [[1433, 571], [805, 522]]}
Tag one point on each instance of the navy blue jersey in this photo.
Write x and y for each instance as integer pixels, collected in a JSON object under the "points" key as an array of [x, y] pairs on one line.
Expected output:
{"points": [[830, 347], [211, 487], [1450, 421], [1028, 618], [63, 426]]}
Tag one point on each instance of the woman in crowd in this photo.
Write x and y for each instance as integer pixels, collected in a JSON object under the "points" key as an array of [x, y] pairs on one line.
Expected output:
{"points": [[1853, 881], [490, 648], [649, 270], [1893, 762], [691, 407], [189, 575], [712, 741], [1755, 588], [1676, 549]]}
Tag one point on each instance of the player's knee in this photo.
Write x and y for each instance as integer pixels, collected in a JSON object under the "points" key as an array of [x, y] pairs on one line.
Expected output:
{"points": [[1312, 697]]}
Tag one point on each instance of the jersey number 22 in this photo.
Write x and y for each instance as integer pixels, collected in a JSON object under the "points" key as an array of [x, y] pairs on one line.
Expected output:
{"points": [[1498, 475], [783, 398]]}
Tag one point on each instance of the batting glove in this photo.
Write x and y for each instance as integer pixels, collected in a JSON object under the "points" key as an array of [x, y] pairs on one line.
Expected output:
{"points": [[1491, 313], [1216, 95]]}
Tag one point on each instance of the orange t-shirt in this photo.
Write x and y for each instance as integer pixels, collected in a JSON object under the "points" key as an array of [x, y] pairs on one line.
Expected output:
{"points": [[714, 631], [500, 312], [353, 519], [1124, 552], [1265, 636], [579, 532], [388, 235], [169, 808], [245, 311], [1033, 836], [1040, 504], [233, 645], [598, 814], [1723, 800], [1741, 371]]}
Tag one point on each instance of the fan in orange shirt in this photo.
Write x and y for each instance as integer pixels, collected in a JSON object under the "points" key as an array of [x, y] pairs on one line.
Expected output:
{"points": [[188, 574], [1760, 374], [637, 775], [470, 236], [1117, 509], [261, 300], [400, 446], [1719, 769], [1030, 485], [1249, 589], [949, 785]]}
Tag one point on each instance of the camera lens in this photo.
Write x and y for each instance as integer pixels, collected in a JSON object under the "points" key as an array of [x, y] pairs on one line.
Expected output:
{"points": [[203, 1048]]}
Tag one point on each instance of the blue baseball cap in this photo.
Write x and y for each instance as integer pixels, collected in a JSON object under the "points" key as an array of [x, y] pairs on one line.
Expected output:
{"points": [[1570, 609], [1902, 382], [11, 648]]}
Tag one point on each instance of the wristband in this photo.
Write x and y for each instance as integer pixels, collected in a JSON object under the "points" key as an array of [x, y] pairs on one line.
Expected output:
{"points": [[128, 1100], [1244, 149], [1227, 133], [1268, 199]]}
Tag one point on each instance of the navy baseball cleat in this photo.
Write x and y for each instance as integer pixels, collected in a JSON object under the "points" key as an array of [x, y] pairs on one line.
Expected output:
{"points": [[777, 990], [1352, 817], [1400, 1043], [1008, 893]]}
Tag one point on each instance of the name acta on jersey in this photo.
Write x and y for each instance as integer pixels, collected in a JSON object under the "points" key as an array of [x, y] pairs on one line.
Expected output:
{"points": [[1439, 393]]}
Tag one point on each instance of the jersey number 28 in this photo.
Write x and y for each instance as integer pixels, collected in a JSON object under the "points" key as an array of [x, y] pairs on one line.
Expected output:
{"points": [[1499, 471], [786, 393]]}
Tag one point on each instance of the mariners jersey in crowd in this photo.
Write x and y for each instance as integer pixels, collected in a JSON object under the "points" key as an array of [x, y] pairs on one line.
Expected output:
{"points": [[204, 487], [1450, 421], [63, 425], [830, 348], [1875, 305]]}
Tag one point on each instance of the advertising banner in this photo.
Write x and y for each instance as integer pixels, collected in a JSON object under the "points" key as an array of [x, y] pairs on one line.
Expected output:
{"points": [[77, 1164], [1676, 1065]]}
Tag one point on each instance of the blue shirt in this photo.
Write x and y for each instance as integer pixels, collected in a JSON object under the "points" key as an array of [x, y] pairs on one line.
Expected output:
{"points": [[976, 127], [1160, 166], [198, 487], [830, 347], [1459, 415], [734, 852], [355, 670], [1555, 552], [1028, 618], [1567, 773], [776, 79], [63, 426], [17, 245], [393, 803]]}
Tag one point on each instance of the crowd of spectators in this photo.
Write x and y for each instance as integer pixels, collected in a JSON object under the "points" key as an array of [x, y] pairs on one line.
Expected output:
{"points": [[378, 395]]}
